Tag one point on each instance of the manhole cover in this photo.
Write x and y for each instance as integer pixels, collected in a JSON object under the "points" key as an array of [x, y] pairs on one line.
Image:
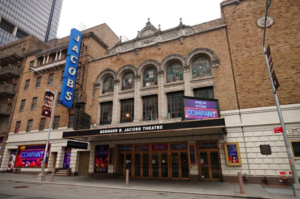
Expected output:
{"points": [[21, 187]]}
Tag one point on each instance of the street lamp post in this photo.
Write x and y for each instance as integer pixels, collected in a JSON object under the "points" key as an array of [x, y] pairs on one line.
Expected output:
{"points": [[286, 139], [42, 174]]}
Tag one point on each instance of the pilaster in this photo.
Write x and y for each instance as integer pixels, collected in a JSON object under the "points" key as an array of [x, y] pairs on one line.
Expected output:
{"points": [[116, 104], [138, 106], [162, 101], [187, 80]]}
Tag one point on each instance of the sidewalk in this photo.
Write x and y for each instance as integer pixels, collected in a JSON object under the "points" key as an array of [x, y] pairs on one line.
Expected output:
{"points": [[172, 186]]}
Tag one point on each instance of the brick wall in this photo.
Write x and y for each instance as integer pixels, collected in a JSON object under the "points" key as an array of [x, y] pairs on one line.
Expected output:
{"points": [[245, 39]]}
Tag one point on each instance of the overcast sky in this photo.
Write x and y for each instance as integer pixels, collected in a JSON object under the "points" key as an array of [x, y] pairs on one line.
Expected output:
{"points": [[126, 17]]}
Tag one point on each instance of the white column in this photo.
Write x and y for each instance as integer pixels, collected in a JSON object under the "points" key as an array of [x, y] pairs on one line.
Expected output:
{"points": [[74, 164], [47, 61], [5, 159], [116, 104], [44, 59], [35, 63], [138, 104], [92, 158], [60, 158], [162, 102], [194, 171], [55, 57], [59, 57], [113, 168], [14, 33], [187, 81]]}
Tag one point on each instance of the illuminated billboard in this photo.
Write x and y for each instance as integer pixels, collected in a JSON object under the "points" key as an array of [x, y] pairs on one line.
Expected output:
{"points": [[200, 108], [31, 156]]}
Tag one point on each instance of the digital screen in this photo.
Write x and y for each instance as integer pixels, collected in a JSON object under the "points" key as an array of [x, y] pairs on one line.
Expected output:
{"points": [[195, 109], [31, 156]]}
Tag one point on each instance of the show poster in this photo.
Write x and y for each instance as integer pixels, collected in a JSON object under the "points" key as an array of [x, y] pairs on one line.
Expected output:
{"points": [[195, 109], [101, 157], [67, 158], [232, 154], [48, 103], [31, 156]]}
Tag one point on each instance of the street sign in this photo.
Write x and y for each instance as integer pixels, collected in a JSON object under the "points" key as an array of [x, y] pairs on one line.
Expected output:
{"points": [[274, 78], [278, 130]]}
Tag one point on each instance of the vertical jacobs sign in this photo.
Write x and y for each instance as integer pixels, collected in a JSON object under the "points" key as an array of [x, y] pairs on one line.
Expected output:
{"points": [[68, 85]]}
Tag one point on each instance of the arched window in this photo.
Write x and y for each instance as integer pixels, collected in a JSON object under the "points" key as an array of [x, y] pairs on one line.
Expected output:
{"points": [[201, 67], [150, 77], [108, 85], [128, 81], [174, 72]]}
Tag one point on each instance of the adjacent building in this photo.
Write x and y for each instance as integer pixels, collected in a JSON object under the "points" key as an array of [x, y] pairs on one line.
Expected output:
{"points": [[134, 93], [19, 19]]}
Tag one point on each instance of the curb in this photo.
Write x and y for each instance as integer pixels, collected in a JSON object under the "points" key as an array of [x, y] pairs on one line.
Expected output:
{"points": [[141, 189]]}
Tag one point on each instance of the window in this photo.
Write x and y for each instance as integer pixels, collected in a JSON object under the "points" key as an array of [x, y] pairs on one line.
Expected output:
{"points": [[108, 85], [42, 124], [18, 125], [106, 113], [128, 81], [51, 76], [207, 92], [31, 64], [22, 105], [174, 72], [29, 125], [295, 145], [174, 104], [150, 108], [33, 104], [75, 97], [56, 122], [201, 67], [38, 82], [127, 110], [71, 121], [78, 73], [150, 77], [62, 75], [27, 84]]}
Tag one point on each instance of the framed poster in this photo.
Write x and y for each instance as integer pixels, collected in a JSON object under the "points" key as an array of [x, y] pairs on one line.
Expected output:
{"points": [[232, 154], [67, 158], [31, 156], [101, 156], [295, 146], [192, 154]]}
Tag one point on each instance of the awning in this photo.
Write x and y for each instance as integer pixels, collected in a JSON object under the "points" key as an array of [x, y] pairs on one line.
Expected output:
{"points": [[155, 130]]}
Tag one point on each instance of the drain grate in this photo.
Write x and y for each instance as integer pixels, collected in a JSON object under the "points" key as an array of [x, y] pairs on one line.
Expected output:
{"points": [[21, 187]]}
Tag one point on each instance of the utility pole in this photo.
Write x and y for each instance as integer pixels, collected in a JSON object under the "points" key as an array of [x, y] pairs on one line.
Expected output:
{"points": [[296, 188]]}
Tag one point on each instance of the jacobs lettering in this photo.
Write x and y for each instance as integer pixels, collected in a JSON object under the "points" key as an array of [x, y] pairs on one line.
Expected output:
{"points": [[75, 48], [72, 59], [69, 96]]}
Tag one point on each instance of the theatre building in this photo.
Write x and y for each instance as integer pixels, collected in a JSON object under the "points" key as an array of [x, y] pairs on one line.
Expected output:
{"points": [[187, 103]]}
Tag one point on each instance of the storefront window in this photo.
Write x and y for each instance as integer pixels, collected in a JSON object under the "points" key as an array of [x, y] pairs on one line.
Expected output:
{"points": [[128, 81], [174, 72], [108, 85], [106, 113], [141, 148], [175, 104], [201, 67], [150, 108], [206, 92], [150, 77], [127, 110]]}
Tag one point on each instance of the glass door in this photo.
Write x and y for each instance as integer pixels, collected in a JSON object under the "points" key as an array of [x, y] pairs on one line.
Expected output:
{"points": [[155, 165], [137, 165], [204, 166], [215, 165], [164, 165], [184, 165], [146, 165], [175, 165], [121, 164], [128, 162]]}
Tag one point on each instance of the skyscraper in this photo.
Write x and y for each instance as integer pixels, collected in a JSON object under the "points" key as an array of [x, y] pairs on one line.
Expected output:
{"points": [[22, 18]]}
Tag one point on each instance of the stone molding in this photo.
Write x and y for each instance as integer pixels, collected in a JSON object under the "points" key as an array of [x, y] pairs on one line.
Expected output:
{"points": [[105, 73], [125, 68], [214, 60], [150, 62], [172, 57]]}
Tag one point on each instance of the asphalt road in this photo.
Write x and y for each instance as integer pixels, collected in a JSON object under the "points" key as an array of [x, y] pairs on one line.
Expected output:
{"points": [[11, 190]]}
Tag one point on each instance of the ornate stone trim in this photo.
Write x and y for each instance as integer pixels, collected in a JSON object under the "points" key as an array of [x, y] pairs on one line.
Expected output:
{"points": [[126, 67], [146, 63], [261, 21], [213, 57], [105, 73], [173, 57]]}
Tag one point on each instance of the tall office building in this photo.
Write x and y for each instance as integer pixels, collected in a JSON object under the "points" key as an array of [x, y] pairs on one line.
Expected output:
{"points": [[22, 18]]}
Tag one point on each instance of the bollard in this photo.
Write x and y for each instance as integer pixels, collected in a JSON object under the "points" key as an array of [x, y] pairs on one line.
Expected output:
{"points": [[52, 176], [127, 177], [241, 183]]}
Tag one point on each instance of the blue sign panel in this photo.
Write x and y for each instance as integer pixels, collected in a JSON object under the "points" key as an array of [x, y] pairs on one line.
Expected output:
{"points": [[68, 84]]}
